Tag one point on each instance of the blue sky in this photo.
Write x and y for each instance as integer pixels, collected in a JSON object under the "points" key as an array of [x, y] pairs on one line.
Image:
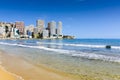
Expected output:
{"points": [[81, 18]]}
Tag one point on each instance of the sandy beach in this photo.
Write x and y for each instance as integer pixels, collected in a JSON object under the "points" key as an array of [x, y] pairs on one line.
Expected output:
{"points": [[27, 71], [24, 70], [20, 69], [4, 75]]}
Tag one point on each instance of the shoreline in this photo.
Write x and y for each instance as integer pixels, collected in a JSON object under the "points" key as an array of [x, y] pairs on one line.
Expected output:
{"points": [[28, 71]]}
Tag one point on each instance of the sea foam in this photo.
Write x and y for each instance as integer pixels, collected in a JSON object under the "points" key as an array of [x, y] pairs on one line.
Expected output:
{"points": [[73, 53], [39, 47], [81, 45], [94, 56]]}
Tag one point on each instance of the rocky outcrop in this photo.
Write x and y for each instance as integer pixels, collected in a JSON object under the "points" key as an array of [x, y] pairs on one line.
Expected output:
{"points": [[68, 37], [108, 46]]}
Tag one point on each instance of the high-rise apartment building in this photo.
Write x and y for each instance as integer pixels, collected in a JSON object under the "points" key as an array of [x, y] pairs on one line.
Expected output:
{"points": [[35, 30], [40, 25], [53, 29], [59, 30], [45, 34], [48, 28], [20, 27]]}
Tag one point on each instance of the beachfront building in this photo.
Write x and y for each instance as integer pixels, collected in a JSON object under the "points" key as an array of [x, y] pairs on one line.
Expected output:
{"points": [[25, 30], [12, 35], [20, 26], [53, 29], [16, 33], [59, 30], [29, 30], [5, 29], [17, 29], [2, 32], [45, 34], [40, 26], [36, 32], [48, 28]]}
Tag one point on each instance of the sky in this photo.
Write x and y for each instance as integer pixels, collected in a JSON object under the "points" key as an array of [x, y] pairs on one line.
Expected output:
{"points": [[81, 18]]}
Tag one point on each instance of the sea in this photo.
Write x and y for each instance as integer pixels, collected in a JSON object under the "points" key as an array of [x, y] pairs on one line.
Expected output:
{"points": [[73, 56]]}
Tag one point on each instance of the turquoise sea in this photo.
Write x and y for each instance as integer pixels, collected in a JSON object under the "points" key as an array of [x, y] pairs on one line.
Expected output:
{"points": [[73, 56]]}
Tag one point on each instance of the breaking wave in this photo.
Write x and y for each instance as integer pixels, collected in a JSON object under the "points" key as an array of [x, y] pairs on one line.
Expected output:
{"points": [[81, 45], [94, 56]]}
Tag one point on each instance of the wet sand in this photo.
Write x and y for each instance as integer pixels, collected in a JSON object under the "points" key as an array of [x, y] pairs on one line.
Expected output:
{"points": [[4, 75]]}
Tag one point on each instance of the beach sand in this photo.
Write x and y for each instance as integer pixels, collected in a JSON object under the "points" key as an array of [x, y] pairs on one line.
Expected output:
{"points": [[4, 75]]}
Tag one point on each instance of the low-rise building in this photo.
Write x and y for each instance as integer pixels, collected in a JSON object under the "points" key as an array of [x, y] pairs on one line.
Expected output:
{"points": [[20, 26]]}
